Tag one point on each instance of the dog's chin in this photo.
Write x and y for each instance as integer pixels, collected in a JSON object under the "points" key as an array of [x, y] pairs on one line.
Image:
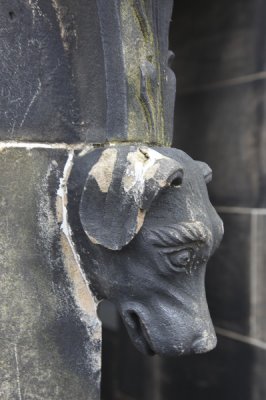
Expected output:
{"points": [[146, 346], [166, 350], [185, 348], [139, 334]]}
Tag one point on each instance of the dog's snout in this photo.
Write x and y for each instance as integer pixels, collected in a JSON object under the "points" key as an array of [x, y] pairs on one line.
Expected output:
{"points": [[206, 342]]}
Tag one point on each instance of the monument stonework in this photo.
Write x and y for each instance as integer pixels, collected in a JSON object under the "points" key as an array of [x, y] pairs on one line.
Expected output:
{"points": [[94, 202]]}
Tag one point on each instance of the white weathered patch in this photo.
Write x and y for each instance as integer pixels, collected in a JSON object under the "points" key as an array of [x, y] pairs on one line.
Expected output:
{"points": [[92, 239], [142, 166], [17, 372], [140, 220], [86, 302], [36, 10], [12, 144], [195, 208], [46, 219], [60, 19], [102, 171]]}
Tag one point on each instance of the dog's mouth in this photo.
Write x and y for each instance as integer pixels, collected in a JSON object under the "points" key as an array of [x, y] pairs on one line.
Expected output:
{"points": [[138, 333]]}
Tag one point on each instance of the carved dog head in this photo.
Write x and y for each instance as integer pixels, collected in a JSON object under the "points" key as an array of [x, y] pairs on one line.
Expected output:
{"points": [[149, 232]]}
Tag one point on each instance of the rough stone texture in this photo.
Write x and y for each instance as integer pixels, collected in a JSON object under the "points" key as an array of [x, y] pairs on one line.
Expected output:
{"points": [[47, 349], [114, 215], [91, 71], [52, 71]]}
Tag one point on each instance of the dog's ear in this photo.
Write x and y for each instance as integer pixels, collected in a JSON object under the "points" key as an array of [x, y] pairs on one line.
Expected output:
{"points": [[119, 190], [206, 171]]}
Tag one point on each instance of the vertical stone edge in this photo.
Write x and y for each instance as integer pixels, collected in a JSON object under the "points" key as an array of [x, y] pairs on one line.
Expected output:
{"points": [[85, 301]]}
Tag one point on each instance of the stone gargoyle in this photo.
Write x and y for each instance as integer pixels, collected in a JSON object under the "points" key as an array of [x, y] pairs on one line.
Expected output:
{"points": [[144, 228]]}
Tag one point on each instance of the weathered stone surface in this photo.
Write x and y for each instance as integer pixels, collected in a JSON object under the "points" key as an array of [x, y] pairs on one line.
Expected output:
{"points": [[116, 198], [52, 71], [48, 347], [8, 369]]}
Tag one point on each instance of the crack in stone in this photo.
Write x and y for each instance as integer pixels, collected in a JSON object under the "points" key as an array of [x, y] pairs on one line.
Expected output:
{"points": [[17, 372]]}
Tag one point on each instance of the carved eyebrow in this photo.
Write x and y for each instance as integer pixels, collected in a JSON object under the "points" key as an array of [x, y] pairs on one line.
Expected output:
{"points": [[185, 232]]}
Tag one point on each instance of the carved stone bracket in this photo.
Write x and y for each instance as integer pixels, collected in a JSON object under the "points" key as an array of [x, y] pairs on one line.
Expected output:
{"points": [[139, 213], [144, 228]]}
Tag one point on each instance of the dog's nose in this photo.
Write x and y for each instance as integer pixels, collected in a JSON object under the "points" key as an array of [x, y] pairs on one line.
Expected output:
{"points": [[206, 342]]}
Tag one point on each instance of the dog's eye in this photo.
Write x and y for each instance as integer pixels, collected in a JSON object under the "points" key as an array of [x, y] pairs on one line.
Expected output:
{"points": [[182, 259]]}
